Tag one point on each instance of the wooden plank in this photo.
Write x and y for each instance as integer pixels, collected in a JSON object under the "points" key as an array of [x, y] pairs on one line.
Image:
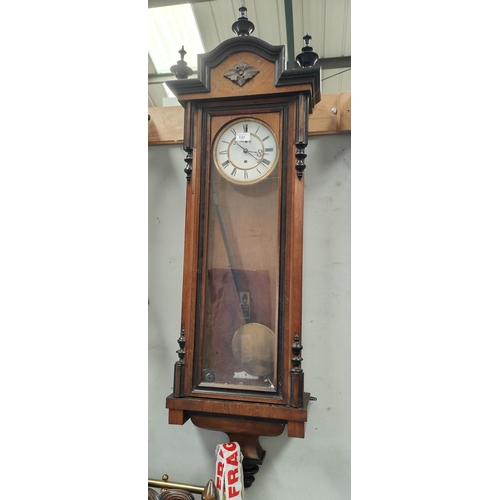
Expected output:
{"points": [[166, 125], [324, 121], [345, 111]]}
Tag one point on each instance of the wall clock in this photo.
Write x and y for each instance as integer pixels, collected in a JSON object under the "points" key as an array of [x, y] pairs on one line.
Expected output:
{"points": [[245, 133]]}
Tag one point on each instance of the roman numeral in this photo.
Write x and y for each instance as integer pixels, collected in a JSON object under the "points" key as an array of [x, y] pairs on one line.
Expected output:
{"points": [[265, 138], [233, 173], [268, 150], [246, 174], [233, 131], [266, 161], [245, 127], [223, 152], [227, 142], [225, 164], [257, 129]]}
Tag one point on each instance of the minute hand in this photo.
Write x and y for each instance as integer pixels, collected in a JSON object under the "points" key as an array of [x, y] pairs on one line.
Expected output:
{"points": [[245, 150]]}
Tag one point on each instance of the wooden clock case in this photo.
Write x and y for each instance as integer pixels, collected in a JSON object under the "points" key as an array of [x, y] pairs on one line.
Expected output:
{"points": [[260, 87]]}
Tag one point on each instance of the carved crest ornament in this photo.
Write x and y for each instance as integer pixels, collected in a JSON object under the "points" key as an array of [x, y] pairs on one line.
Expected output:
{"points": [[241, 73]]}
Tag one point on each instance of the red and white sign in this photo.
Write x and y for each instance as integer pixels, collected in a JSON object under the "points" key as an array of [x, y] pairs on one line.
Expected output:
{"points": [[229, 471]]}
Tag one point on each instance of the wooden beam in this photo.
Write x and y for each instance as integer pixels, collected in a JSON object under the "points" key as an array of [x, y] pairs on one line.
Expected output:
{"points": [[166, 125], [332, 115]]}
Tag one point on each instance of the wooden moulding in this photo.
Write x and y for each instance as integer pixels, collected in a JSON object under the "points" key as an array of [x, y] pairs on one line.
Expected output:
{"points": [[166, 125], [181, 409]]}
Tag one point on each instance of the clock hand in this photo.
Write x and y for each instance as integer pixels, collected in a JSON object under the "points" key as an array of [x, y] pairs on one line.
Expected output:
{"points": [[259, 154], [245, 150]]}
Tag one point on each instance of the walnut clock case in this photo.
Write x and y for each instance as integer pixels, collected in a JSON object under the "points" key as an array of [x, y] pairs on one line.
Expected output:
{"points": [[245, 133]]}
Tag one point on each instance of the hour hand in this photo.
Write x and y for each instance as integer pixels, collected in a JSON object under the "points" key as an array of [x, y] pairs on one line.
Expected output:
{"points": [[245, 150]]}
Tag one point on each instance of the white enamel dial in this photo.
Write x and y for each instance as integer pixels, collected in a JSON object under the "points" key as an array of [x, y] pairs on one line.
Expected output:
{"points": [[245, 151]]}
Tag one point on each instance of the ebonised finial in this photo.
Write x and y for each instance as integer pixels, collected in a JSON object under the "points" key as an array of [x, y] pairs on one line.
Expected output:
{"points": [[296, 360], [307, 57], [181, 70], [182, 343], [243, 27]]}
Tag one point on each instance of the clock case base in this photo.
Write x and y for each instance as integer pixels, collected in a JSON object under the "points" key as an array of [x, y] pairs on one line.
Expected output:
{"points": [[251, 421]]}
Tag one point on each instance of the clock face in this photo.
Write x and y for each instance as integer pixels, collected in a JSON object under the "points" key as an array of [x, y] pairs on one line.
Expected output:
{"points": [[245, 151]]}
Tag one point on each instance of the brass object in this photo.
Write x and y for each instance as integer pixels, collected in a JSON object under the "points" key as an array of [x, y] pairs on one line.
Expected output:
{"points": [[253, 348], [176, 495], [207, 493], [210, 493], [156, 483], [164, 478]]}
